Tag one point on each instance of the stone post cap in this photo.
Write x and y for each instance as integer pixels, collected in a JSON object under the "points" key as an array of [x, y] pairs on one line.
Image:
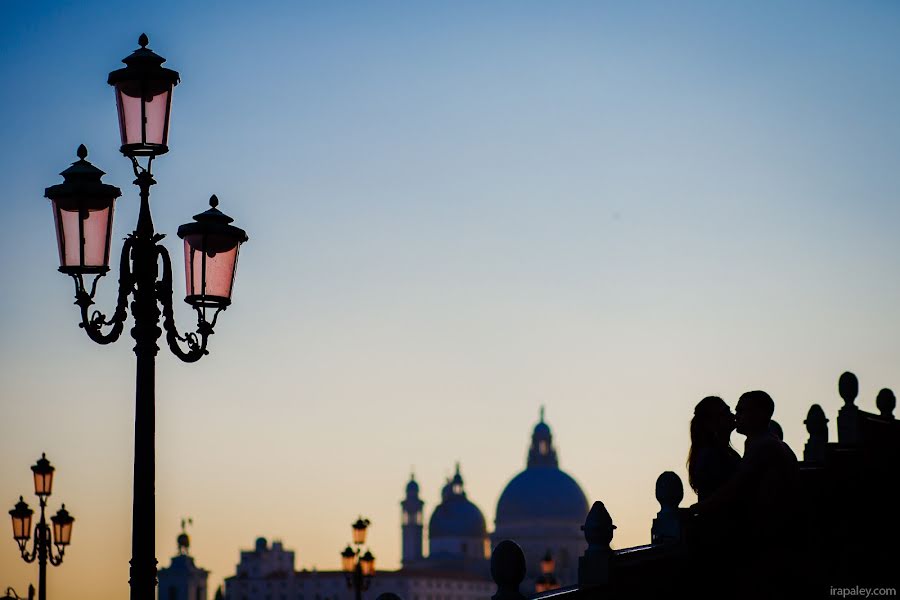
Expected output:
{"points": [[508, 570], [669, 490]]}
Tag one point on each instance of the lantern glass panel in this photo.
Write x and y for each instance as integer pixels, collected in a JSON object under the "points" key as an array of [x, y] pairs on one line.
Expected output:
{"points": [[359, 535], [144, 111], [62, 533], [211, 258], [21, 527], [43, 483], [128, 98], [88, 226]]}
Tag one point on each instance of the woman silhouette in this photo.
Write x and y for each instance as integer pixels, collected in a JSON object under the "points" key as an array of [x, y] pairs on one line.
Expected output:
{"points": [[711, 460], [711, 463]]}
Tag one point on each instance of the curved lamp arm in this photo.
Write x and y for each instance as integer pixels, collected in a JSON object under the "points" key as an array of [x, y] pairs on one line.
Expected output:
{"points": [[196, 347], [93, 324], [56, 560], [27, 556]]}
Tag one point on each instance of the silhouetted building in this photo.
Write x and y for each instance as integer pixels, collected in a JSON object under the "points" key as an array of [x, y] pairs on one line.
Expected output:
{"points": [[542, 508], [182, 579], [267, 573]]}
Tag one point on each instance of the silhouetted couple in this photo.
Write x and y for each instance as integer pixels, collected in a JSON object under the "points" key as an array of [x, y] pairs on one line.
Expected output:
{"points": [[747, 506]]}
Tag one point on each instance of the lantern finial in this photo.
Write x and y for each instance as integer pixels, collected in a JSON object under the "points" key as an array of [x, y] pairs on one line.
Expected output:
{"points": [[213, 201], [81, 152], [143, 40]]}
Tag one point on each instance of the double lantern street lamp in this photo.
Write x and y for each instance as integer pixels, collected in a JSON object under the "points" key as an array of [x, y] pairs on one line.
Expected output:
{"points": [[359, 568], [83, 209], [41, 549]]}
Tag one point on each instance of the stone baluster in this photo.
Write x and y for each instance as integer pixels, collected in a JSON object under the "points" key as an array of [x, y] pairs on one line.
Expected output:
{"points": [[667, 524], [817, 425], [848, 416], [886, 402], [593, 567], [508, 570]]}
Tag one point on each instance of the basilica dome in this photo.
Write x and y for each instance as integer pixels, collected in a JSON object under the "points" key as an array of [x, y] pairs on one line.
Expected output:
{"points": [[542, 491]]}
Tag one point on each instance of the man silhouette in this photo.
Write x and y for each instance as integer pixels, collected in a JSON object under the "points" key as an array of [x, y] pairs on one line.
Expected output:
{"points": [[764, 491]]}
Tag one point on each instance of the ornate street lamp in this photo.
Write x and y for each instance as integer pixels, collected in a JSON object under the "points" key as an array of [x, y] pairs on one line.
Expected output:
{"points": [[359, 568], [546, 581], [62, 527], [83, 209]]}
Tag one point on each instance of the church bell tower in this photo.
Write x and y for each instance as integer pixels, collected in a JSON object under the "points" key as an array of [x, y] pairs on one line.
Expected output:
{"points": [[412, 520]]}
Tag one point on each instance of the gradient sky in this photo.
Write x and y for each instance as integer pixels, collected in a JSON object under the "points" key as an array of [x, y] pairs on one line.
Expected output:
{"points": [[457, 212]]}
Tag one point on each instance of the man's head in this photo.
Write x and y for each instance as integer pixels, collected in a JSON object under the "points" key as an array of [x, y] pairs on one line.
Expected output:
{"points": [[753, 412]]}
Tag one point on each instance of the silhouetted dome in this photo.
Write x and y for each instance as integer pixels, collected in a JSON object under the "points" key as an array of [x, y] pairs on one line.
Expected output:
{"points": [[412, 488], [542, 493], [542, 490], [456, 516], [184, 541]]}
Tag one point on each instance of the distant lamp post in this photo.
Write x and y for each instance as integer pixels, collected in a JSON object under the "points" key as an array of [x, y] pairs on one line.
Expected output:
{"points": [[21, 524], [12, 595], [83, 209], [359, 568], [546, 581]]}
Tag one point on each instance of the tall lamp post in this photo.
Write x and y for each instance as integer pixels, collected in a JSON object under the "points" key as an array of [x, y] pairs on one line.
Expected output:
{"points": [[83, 210], [359, 568], [41, 549]]}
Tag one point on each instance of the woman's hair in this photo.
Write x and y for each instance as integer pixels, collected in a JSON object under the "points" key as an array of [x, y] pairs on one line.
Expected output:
{"points": [[704, 433]]}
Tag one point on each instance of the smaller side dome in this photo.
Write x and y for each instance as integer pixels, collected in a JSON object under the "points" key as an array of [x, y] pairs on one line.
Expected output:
{"points": [[456, 515]]}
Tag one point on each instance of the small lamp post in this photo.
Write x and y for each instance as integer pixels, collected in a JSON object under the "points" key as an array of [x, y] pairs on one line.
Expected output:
{"points": [[12, 595], [359, 568], [546, 581], [83, 211], [21, 524]]}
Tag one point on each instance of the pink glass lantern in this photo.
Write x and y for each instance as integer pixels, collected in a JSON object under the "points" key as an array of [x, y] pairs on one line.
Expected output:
{"points": [[211, 247], [83, 211], [62, 527], [348, 560], [144, 99], [21, 521], [43, 476]]}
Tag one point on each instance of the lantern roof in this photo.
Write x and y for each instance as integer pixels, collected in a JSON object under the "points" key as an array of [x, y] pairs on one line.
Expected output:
{"points": [[82, 181], [62, 516], [43, 465], [143, 63], [213, 221], [21, 510]]}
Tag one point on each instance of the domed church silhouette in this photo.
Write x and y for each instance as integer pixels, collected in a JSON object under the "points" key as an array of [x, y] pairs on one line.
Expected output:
{"points": [[542, 508]]}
